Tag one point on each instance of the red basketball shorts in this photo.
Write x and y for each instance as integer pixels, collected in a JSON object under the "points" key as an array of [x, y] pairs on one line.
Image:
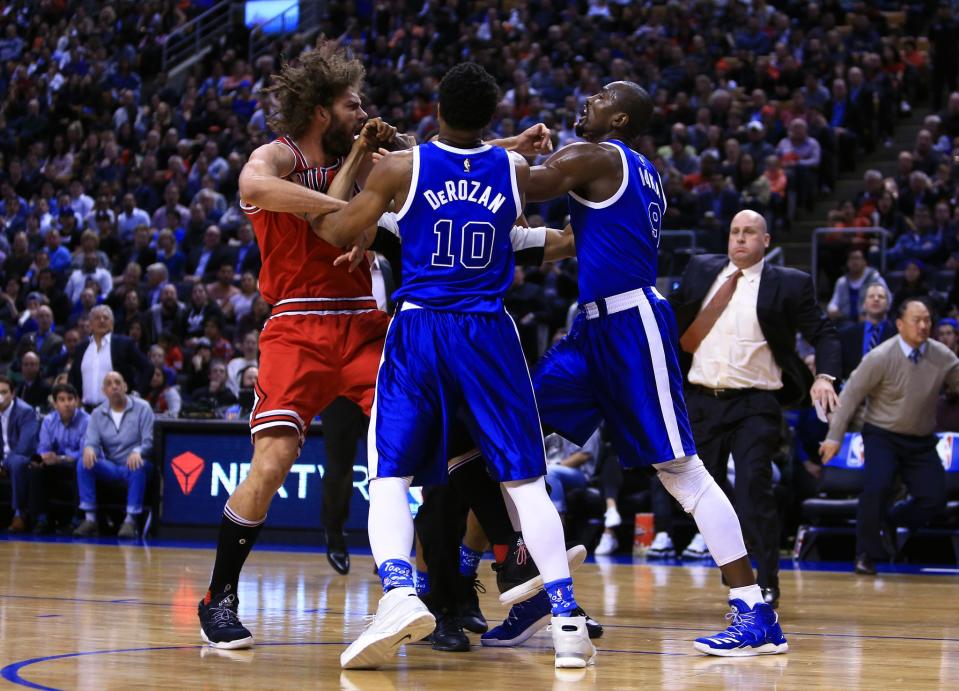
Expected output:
{"points": [[308, 360]]}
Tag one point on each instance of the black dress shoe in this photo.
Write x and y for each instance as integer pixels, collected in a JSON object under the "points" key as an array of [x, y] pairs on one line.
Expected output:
{"points": [[43, 527], [771, 596], [865, 566], [468, 609], [336, 552], [448, 636]]}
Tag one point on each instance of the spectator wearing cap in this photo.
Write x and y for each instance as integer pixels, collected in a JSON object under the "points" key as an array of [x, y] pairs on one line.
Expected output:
{"points": [[104, 352], [756, 144], [20, 430], [198, 366], [45, 342], [947, 333], [90, 270], [119, 441], [163, 396]]}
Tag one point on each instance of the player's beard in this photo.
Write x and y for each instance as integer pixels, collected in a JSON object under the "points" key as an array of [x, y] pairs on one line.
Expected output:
{"points": [[337, 140]]}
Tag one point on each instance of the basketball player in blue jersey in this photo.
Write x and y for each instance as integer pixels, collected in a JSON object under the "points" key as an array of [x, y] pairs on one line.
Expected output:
{"points": [[452, 350], [619, 361]]}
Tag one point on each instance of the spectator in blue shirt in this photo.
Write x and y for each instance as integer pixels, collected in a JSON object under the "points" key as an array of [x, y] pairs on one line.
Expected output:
{"points": [[62, 435], [119, 439]]}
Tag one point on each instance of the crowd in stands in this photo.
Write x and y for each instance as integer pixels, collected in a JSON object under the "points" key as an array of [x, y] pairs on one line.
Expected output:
{"points": [[119, 186]]}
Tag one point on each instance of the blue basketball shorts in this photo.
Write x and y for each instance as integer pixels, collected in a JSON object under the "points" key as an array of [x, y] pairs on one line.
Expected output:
{"points": [[438, 367], [619, 362]]}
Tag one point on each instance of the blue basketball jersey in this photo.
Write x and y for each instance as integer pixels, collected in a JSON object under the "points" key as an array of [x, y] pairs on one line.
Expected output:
{"points": [[617, 240], [455, 226]]}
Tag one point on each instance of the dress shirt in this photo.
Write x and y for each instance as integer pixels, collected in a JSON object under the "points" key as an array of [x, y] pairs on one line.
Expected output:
{"points": [[5, 422], [379, 286], [64, 439], [734, 354], [93, 368]]}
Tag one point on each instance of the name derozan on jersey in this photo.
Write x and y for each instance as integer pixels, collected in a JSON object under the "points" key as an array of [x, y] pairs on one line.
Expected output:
{"points": [[464, 191]]}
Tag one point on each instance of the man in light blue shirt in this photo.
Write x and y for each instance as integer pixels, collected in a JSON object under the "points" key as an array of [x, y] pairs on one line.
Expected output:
{"points": [[118, 440], [62, 435]]}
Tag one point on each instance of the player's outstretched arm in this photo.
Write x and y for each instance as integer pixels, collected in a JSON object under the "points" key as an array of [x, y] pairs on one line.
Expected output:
{"points": [[571, 168], [532, 141], [262, 184], [387, 177]]}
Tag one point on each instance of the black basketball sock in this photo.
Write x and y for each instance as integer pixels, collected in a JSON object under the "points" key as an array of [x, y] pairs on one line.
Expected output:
{"points": [[235, 541], [472, 481]]}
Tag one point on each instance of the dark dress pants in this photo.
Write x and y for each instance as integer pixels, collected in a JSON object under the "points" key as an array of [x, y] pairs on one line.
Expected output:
{"points": [[748, 425], [344, 424], [915, 459]]}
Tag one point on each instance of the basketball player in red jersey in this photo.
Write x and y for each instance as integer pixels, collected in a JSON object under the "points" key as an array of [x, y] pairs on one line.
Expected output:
{"points": [[325, 335]]}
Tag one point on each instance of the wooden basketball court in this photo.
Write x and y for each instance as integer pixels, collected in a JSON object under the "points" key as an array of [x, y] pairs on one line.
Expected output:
{"points": [[101, 616]]}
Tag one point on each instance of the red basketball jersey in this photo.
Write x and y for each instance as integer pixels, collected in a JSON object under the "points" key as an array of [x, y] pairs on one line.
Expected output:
{"points": [[296, 263]]}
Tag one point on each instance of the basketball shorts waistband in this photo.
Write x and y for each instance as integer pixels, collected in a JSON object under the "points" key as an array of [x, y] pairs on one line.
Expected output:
{"points": [[618, 303], [323, 306]]}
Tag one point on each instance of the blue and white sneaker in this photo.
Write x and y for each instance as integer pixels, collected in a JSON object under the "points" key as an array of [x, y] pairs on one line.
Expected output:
{"points": [[753, 631], [523, 621]]}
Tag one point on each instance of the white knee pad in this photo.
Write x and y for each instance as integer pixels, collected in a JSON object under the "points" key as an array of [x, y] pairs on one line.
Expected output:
{"points": [[686, 479]]}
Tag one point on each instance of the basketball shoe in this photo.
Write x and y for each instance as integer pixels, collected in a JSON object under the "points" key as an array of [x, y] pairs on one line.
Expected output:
{"points": [[401, 617], [468, 607], [220, 626], [526, 618], [752, 631], [571, 642], [517, 577]]}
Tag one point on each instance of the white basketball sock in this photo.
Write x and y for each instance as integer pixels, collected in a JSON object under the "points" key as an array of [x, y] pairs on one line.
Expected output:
{"points": [[390, 521], [541, 526], [752, 595]]}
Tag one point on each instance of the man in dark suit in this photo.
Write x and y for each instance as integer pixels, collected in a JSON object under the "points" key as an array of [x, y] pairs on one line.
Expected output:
{"points": [[859, 339], [105, 352], [44, 341], [20, 430], [204, 260], [33, 390], [246, 255], [738, 317]]}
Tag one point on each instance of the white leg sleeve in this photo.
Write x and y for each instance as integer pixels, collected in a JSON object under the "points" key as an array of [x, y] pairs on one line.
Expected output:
{"points": [[390, 521], [695, 489], [542, 528]]}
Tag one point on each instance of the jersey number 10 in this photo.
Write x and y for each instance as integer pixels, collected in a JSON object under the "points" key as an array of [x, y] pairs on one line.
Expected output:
{"points": [[473, 243]]}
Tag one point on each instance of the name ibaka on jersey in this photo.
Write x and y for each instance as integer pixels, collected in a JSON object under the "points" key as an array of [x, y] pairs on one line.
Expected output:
{"points": [[464, 191]]}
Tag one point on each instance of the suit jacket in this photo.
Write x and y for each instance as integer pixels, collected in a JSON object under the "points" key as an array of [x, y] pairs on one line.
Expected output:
{"points": [[127, 360], [52, 347], [786, 304], [23, 432], [251, 260], [217, 257], [851, 337]]}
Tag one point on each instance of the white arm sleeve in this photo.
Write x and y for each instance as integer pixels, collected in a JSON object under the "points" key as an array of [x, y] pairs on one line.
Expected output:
{"points": [[525, 238]]}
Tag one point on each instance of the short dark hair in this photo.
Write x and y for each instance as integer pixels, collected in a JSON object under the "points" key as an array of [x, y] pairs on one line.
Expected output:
{"points": [[4, 379], [638, 104], [468, 97], [63, 388], [904, 305], [853, 250]]}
